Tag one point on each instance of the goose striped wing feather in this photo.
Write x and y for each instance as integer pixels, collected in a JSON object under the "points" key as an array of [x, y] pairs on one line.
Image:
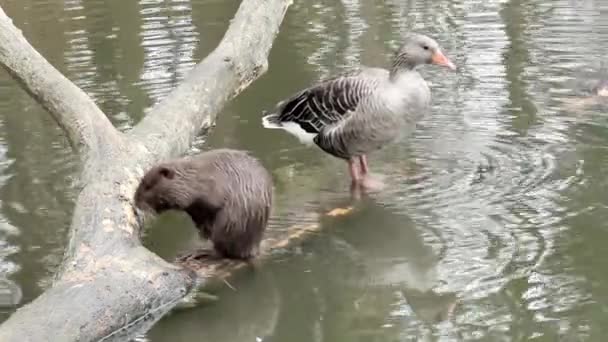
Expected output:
{"points": [[326, 103]]}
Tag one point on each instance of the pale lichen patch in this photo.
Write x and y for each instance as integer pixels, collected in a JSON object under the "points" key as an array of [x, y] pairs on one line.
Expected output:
{"points": [[130, 217], [84, 249], [108, 225], [139, 171], [135, 269], [78, 277], [127, 227], [142, 148], [125, 191]]}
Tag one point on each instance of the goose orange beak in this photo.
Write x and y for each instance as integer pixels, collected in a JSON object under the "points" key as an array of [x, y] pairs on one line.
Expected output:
{"points": [[440, 59]]}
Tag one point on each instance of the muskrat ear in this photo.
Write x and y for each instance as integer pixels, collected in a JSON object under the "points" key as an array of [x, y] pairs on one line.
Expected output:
{"points": [[167, 172]]}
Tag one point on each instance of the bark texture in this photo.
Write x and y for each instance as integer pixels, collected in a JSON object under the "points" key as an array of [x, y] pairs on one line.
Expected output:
{"points": [[109, 286]]}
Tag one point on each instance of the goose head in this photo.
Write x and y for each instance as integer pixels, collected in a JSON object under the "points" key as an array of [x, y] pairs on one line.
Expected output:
{"points": [[418, 49]]}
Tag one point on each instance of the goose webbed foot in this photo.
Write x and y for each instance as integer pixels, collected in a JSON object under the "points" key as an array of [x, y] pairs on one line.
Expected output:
{"points": [[372, 182], [361, 178]]}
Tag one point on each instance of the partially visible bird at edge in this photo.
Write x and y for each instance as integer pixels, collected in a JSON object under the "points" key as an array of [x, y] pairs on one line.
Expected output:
{"points": [[353, 114]]}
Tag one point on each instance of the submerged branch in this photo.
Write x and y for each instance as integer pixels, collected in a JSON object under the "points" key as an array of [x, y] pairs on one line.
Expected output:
{"points": [[224, 268]]}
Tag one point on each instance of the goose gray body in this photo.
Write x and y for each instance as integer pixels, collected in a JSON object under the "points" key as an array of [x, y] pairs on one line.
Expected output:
{"points": [[362, 111], [356, 113]]}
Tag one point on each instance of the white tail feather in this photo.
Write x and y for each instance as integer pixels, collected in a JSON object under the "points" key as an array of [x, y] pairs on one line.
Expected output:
{"points": [[291, 127], [268, 124]]}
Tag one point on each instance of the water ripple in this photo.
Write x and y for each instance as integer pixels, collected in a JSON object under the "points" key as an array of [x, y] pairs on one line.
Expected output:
{"points": [[169, 39], [498, 199]]}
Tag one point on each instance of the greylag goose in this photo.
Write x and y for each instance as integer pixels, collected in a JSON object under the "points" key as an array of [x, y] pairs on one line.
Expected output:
{"points": [[351, 115]]}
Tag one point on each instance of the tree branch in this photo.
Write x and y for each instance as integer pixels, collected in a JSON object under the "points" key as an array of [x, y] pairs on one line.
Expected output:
{"points": [[86, 126], [240, 58], [109, 286]]}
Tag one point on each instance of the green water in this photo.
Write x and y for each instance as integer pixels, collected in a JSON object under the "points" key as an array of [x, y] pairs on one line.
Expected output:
{"points": [[495, 221]]}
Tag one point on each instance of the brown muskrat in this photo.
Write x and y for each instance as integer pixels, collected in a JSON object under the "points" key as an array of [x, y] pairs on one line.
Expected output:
{"points": [[227, 193]]}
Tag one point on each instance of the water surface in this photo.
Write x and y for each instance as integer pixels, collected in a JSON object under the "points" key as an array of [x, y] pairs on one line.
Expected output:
{"points": [[494, 225]]}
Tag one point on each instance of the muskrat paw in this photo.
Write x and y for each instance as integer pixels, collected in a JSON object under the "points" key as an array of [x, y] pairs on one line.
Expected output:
{"points": [[199, 255]]}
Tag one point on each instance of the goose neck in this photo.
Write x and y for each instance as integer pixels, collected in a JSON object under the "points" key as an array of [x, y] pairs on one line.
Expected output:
{"points": [[396, 75], [401, 65]]}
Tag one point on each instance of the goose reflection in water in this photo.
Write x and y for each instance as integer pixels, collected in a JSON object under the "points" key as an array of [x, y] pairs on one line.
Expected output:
{"points": [[395, 269]]}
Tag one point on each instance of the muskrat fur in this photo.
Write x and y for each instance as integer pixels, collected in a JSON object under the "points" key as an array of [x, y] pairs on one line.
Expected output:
{"points": [[227, 193]]}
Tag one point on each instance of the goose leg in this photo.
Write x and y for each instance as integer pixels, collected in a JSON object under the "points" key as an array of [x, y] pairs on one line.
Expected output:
{"points": [[364, 167], [368, 181], [354, 188], [355, 178], [354, 171]]}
